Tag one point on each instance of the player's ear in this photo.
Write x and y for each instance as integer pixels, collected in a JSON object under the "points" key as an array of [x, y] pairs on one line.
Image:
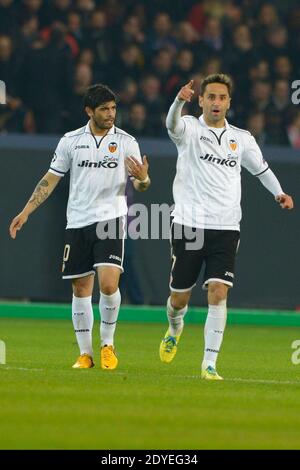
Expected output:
{"points": [[229, 103], [200, 100], [89, 111]]}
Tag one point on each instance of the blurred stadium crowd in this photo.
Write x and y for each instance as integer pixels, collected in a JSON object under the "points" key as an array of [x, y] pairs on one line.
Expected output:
{"points": [[50, 51]]}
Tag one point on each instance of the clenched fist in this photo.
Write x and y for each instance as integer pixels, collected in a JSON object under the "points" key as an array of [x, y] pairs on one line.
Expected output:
{"points": [[285, 201]]}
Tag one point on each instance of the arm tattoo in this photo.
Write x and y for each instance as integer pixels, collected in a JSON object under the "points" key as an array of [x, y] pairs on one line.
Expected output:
{"points": [[40, 193]]}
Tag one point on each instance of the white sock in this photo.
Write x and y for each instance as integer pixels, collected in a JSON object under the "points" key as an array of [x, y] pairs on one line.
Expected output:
{"points": [[109, 306], [83, 320], [176, 318], [213, 333]]}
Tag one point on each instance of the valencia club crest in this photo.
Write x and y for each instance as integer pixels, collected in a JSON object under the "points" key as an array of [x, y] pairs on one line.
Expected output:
{"points": [[112, 147]]}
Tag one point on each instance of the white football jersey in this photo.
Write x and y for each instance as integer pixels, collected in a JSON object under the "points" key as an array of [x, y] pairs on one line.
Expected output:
{"points": [[207, 185], [98, 174]]}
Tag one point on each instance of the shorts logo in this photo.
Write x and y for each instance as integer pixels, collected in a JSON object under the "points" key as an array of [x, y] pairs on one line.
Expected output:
{"points": [[112, 147], [115, 257], [229, 274], [233, 144]]}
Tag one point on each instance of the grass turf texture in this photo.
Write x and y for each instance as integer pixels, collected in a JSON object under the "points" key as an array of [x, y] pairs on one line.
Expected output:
{"points": [[145, 404]]}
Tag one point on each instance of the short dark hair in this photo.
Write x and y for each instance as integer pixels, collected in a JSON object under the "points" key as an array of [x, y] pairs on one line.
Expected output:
{"points": [[216, 78], [97, 95]]}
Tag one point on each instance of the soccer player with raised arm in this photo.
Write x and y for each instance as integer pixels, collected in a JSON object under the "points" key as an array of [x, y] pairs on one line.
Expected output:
{"points": [[207, 193], [100, 157]]}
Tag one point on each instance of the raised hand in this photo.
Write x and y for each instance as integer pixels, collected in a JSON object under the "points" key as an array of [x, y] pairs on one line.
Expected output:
{"points": [[186, 92]]}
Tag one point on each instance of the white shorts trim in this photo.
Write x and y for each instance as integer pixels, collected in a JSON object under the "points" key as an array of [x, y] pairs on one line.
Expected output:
{"points": [[76, 276], [215, 279], [109, 264], [181, 290]]}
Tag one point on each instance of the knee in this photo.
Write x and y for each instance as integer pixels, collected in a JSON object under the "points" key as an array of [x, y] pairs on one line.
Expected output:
{"points": [[83, 286], [108, 288], [178, 301], [217, 292], [80, 290]]}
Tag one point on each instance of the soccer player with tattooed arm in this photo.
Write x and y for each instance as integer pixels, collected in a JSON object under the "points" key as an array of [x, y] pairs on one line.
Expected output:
{"points": [[100, 157], [207, 212]]}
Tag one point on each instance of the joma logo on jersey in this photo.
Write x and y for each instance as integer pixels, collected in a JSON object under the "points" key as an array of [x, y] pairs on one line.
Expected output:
{"points": [[218, 161], [82, 147], [88, 164], [206, 139]]}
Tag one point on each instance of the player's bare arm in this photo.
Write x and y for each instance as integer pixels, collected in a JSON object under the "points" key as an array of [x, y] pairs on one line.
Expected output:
{"points": [[140, 172], [42, 191]]}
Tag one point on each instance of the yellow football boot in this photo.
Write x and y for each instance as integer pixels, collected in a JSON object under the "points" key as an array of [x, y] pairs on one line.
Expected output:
{"points": [[210, 373], [85, 361], [108, 357], [168, 347]]}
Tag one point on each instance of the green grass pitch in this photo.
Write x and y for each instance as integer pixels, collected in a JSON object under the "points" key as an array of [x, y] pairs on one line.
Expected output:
{"points": [[145, 404]]}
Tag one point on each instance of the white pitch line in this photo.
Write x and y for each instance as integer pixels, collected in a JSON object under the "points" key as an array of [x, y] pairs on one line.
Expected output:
{"points": [[198, 377], [230, 379], [239, 379], [19, 368], [275, 382]]}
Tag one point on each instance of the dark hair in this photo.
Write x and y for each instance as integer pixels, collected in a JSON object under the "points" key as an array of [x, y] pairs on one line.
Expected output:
{"points": [[97, 95], [216, 78]]}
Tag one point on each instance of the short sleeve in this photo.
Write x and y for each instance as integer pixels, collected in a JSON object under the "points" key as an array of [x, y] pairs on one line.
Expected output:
{"points": [[252, 158], [133, 150], [60, 163]]}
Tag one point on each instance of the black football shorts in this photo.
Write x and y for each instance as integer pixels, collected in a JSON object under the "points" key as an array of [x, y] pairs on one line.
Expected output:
{"points": [[99, 244], [191, 248]]}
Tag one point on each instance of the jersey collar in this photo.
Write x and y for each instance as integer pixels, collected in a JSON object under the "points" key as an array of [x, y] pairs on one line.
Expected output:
{"points": [[87, 129], [203, 123]]}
